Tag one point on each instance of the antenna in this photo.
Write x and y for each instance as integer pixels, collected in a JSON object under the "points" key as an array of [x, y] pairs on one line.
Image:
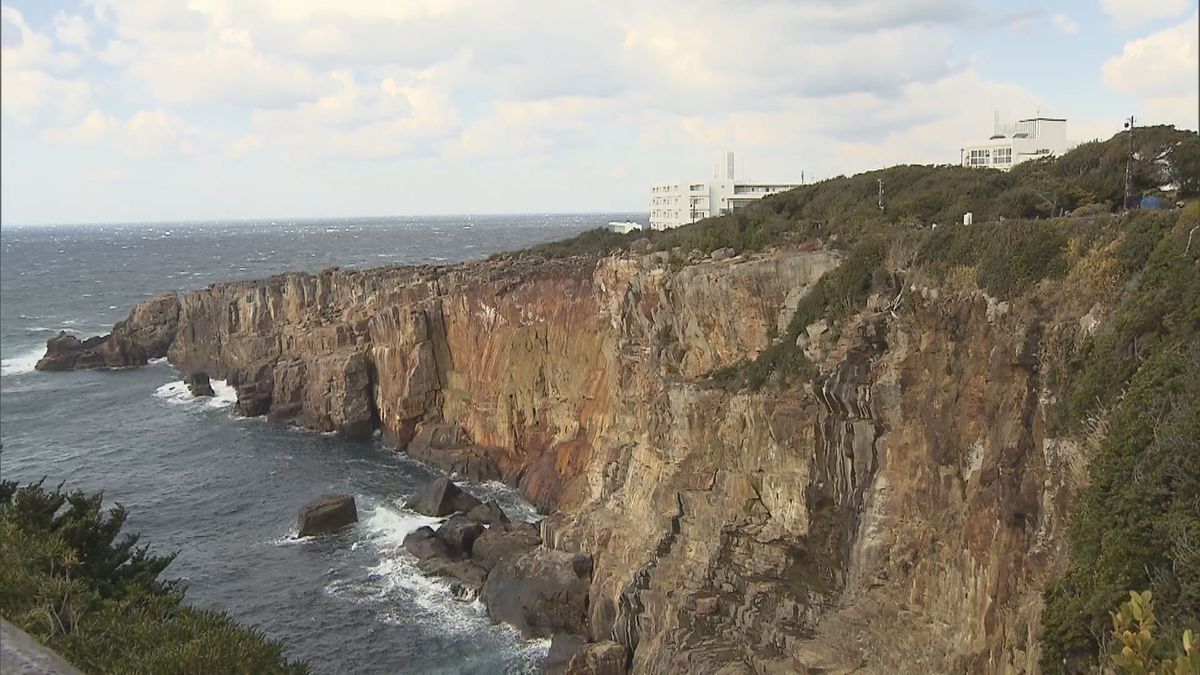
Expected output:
{"points": [[1129, 166]]}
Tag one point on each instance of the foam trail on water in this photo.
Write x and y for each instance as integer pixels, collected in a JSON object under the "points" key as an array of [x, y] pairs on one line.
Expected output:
{"points": [[21, 363]]}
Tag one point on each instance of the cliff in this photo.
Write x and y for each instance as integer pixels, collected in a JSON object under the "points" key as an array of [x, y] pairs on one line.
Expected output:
{"points": [[903, 509]]}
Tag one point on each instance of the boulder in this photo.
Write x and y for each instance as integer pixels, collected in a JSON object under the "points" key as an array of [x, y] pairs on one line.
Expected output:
{"points": [[424, 543], [599, 658], [505, 540], [441, 498], [467, 577], [563, 648], [722, 254], [459, 534], [488, 513], [541, 592], [199, 385], [327, 514]]}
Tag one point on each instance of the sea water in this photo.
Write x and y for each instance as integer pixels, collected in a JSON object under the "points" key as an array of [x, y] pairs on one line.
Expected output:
{"points": [[224, 491]]}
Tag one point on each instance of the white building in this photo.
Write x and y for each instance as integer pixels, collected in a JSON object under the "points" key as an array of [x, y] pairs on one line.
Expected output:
{"points": [[682, 202], [1012, 144]]}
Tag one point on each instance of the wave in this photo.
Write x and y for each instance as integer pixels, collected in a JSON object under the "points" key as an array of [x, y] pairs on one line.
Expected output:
{"points": [[21, 363], [177, 393]]}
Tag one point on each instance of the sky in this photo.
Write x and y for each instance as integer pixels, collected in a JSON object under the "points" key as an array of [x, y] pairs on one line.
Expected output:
{"points": [[137, 110]]}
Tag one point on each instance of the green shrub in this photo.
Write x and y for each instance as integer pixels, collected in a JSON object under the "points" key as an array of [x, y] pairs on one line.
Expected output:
{"points": [[70, 581], [1137, 522]]}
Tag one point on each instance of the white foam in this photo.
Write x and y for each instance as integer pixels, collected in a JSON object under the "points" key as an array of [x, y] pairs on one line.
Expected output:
{"points": [[21, 363], [176, 393], [387, 526]]}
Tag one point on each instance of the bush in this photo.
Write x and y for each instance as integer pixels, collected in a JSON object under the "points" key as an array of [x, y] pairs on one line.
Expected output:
{"points": [[1137, 522], [71, 583]]}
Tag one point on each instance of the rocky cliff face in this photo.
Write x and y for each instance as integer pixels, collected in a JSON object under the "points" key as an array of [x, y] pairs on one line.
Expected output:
{"points": [[903, 510]]}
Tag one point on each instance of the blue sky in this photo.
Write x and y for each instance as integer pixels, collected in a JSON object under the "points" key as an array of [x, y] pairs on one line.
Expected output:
{"points": [[131, 110]]}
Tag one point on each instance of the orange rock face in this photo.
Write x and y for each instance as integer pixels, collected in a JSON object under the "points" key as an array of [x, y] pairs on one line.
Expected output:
{"points": [[902, 512]]}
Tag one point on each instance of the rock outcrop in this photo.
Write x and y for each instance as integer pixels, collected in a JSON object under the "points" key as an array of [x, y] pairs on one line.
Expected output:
{"points": [[146, 334], [904, 509], [199, 385], [327, 514]]}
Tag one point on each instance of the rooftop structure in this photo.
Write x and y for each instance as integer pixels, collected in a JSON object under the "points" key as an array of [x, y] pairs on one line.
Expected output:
{"points": [[1012, 144], [681, 202]]}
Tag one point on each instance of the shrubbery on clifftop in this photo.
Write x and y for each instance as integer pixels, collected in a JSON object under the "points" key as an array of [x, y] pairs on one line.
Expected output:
{"points": [[70, 580]]}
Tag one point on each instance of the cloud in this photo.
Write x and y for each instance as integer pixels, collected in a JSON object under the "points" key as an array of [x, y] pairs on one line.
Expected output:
{"points": [[400, 113], [1161, 70], [225, 69], [37, 81], [531, 128], [146, 134], [1064, 23], [1133, 13]]}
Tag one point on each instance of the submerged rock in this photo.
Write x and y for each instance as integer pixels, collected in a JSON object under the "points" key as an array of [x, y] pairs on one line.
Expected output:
{"points": [[327, 514], [199, 385], [441, 498]]}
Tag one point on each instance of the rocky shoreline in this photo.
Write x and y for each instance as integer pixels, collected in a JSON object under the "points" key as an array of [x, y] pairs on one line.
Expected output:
{"points": [[692, 527]]}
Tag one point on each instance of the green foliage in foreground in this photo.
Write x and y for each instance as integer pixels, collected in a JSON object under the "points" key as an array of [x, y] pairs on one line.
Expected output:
{"points": [[1137, 523], [71, 581], [1134, 647]]}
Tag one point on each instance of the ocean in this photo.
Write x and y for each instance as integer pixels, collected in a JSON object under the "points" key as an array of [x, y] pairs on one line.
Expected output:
{"points": [[224, 491]]}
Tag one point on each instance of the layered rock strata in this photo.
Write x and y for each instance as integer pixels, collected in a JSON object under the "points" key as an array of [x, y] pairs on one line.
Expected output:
{"points": [[903, 511]]}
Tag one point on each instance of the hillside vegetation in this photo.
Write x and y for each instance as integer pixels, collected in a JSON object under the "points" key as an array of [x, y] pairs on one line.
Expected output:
{"points": [[70, 580], [1133, 387], [843, 209]]}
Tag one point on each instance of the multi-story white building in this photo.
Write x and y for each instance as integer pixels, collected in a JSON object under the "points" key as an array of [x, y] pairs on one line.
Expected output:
{"points": [[682, 202], [1012, 144]]}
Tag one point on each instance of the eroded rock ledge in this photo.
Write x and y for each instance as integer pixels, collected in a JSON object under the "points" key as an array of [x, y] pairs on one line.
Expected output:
{"points": [[904, 510]]}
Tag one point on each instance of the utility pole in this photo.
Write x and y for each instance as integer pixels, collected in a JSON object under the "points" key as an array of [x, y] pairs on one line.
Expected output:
{"points": [[1129, 167], [880, 194]]}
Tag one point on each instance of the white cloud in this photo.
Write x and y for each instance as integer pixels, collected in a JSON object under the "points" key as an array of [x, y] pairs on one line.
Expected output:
{"points": [[401, 113], [72, 29], [146, 134], [226, 69], [1161, 71], [1064, 23], [1133, 13], [37, 81], [530, 128]]}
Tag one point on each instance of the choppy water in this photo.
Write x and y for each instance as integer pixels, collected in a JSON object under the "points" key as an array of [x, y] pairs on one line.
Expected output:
{"points": [[224, 491]]}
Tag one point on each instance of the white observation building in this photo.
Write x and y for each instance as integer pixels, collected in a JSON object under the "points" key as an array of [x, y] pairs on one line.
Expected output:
{"points": [[682, 202], [1012, 144]]}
